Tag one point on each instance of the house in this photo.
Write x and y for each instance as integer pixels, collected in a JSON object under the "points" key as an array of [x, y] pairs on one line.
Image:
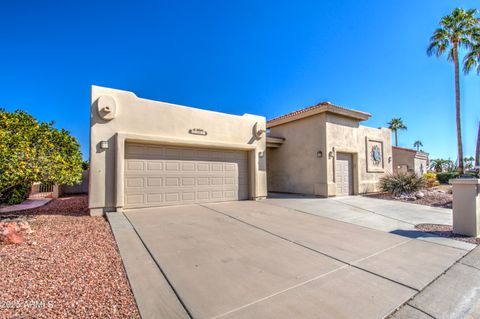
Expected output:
{"points": [[406, 160], [323, 150], [145, 153]]}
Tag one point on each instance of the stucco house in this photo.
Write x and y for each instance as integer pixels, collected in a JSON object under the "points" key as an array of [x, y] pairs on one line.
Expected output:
{"points": [[145, 153], [323, 150], [406, 160]]}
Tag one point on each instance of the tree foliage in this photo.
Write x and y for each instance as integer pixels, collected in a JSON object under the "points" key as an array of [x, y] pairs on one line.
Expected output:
{"points": [[417, 144], [395, 125], [458, 30], [33, 151]]}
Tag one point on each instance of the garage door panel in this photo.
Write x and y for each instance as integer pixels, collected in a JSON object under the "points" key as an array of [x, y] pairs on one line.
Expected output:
{"points": [[160, 176]]}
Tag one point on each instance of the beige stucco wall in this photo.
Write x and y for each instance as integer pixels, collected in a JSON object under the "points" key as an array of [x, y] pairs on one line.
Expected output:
{"points": [[413, 160], [466, 206], [402, 157], [294, 167], [147, 121], [347, 136]]}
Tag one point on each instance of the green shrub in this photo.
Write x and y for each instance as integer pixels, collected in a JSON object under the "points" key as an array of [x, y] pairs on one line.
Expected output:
{"points": [[402, 184], [17, 195], [443, 178], [431, 179]]}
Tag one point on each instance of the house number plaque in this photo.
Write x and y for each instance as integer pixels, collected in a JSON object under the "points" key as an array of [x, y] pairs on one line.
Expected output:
{"points": [[197, 131]]}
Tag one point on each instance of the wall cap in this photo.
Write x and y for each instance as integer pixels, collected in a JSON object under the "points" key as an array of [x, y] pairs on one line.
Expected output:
{"points": [[465, 181]]}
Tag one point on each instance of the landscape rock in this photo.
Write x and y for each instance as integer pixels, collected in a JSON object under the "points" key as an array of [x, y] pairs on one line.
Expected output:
{"points": [[10, 233], [419, 195]]}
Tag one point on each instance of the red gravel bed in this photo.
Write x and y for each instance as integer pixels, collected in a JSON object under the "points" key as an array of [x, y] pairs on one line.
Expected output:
{"points": [[69, 267], [432, 198], [446, 231]]}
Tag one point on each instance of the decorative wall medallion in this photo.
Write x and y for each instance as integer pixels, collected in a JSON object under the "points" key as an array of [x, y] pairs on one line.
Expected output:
{"points": [[374, 155], [197, 131]]}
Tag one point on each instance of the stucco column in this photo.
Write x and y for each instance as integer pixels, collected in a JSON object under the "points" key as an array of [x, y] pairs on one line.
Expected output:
{"points": [[466, 206]]}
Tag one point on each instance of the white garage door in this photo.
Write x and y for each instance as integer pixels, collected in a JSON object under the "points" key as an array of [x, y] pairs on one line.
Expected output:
{"points": [[165, 175], [343, 174]]}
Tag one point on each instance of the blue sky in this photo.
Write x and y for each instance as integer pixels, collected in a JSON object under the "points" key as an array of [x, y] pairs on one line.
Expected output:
{"points": [[259, 57]]}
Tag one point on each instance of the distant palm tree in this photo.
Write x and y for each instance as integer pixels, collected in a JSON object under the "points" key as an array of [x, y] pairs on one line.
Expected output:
{"points": [[396, 124], [456, 31], [418, 144], [438, 165], [469, 162]]}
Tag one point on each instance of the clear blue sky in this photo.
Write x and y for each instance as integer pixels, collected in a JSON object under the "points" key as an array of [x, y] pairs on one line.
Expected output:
{"points": [[260, 57]]}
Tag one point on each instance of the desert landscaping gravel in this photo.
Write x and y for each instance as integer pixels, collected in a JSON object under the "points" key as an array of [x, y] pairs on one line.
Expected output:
{"points": [[434, 198], [68, 267], [446, 231]]}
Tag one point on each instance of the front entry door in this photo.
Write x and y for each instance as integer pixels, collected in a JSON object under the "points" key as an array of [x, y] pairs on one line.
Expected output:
{"points": [[343, 174]]}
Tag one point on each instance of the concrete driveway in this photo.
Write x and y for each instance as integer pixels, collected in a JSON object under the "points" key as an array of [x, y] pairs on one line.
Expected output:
{"points": [[269, 259]]}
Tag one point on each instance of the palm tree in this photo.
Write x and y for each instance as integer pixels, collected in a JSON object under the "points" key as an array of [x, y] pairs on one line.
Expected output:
{"points": [[438, 165], [456, 31], [477, 153], [396, 124], [469, 162], [418, 144], [472, 60]]}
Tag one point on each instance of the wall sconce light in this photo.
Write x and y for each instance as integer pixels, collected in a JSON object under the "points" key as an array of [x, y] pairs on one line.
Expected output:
{"points": [[261, 154], [389, 159], [104, 145], [319, 154], [331, 154]]}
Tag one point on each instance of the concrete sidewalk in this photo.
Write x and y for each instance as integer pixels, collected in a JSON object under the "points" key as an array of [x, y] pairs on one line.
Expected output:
{"points": [[454, 295], [26, 205], [388, 216]]}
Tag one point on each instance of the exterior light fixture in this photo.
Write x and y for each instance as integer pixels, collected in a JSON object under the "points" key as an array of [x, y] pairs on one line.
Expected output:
{"points": [[261, 154], [319, 154], [104, 145], [331, 154], [389, 159]]}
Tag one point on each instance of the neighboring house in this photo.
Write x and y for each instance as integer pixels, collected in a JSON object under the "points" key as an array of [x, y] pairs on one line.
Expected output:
{"points": [[145, 153], [323, 150], [406, 160]]}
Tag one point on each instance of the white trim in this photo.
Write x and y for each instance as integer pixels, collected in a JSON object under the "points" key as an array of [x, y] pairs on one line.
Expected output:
{"points": [[122, 138]]}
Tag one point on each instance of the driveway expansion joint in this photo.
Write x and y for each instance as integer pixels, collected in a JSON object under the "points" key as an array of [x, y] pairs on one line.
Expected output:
{"points": [[346, 263]]}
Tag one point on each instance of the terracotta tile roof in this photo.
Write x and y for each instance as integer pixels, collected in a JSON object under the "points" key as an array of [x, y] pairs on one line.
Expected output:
{"points": [[320, 107], [404, 149], [316, 106], [410, 150]]}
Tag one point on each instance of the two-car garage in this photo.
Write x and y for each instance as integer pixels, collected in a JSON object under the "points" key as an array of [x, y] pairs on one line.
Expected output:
{"points": [[146, 154], [157, 175]]}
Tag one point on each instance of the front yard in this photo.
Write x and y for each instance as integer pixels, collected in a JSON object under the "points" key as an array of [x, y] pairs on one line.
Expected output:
{"points": [[439, 196], [68, 266]]}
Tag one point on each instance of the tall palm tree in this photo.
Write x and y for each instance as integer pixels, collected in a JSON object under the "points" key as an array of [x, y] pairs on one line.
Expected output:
{"points": [[477, 152], [456, 31], [396, 124], [472, 60], [418, 144]]}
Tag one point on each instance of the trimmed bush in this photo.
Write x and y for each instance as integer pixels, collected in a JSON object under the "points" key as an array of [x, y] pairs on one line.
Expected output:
{"points": [[402, 184], [17, 194], [443, 178], [431, 179]]}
